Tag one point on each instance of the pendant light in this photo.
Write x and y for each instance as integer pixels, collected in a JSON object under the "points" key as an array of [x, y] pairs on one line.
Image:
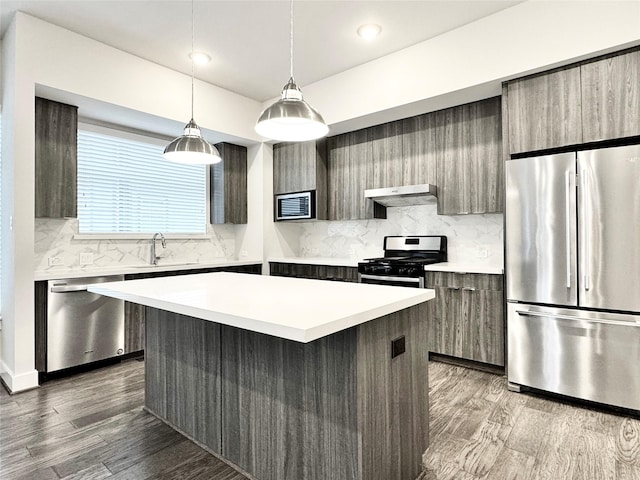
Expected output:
{"points": [[191, 147], [291, 119]]}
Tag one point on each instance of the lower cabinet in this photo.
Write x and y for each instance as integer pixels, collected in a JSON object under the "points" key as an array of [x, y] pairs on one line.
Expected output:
{"points": [[134, 316], [316, 272], [466, 319]]}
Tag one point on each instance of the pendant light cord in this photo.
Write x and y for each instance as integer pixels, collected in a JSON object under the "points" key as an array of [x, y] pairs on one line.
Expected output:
{"points": [[192, 61], [291, 40]]}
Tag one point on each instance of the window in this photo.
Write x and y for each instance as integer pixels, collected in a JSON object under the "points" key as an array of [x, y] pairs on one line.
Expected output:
{"points": [[125, 186]]}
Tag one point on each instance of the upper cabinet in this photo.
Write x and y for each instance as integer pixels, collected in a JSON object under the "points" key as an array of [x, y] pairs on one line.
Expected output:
{"points": [[593, 101], [419, 157], [470, 176], [611, 97], [544, 111], [229, 185], [299, 167], [56, 139]]}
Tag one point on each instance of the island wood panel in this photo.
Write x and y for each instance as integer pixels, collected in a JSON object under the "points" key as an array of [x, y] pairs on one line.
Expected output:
{"points": [[229, 185], [393, 402], [56, 139], [545, 111], [419, 149], [182, 374], [611, 97], [318, 272], [470, 167], [466, 319], [290, 408], [338, 407]]}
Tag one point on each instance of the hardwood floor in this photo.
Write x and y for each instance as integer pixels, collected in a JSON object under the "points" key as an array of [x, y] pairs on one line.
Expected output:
{"points": [[92, 426]]}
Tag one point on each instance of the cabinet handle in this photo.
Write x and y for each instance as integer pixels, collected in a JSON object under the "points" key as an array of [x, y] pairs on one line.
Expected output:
{"points": [[469, 289], [453, 288]]}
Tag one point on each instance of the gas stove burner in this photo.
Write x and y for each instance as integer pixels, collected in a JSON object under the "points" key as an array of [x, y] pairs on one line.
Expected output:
{"points": [[405, 257]]}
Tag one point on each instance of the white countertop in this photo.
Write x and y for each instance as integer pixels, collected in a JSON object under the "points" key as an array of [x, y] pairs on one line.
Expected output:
{"points": [[293, 308], [465, 268], [56, 273], [337, 262]]}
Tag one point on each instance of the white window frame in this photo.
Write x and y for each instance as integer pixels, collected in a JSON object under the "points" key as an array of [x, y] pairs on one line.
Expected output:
{"points": [[150, 138]]}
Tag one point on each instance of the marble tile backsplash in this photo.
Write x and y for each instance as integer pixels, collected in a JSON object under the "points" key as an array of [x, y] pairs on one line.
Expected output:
{"points": [[474, 239], [55, 238]]}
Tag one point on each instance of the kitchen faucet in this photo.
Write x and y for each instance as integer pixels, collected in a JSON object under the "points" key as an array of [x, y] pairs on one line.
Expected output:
{"points": [[154, 257]]}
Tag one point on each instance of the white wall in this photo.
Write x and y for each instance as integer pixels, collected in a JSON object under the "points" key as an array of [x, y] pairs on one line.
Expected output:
{"points": [[469, 63]]}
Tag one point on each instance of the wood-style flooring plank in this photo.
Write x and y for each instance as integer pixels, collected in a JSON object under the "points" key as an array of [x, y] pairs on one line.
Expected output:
{"points": [[514, 437]]}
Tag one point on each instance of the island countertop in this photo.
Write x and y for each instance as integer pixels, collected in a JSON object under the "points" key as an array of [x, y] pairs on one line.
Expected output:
{"points": [[297, 309]]}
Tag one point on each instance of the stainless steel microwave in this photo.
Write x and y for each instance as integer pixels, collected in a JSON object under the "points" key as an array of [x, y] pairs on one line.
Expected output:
{"points": [[295, 206]]}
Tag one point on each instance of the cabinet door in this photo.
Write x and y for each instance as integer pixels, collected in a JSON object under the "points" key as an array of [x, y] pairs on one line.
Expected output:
{"points": [[386, 155], [469, 158], [134, 317], [466, 319], [611, 97], [483, 326], [56, 145], [294, 167], [445, 332], [545, 111], [229, 185], [419, 150]]}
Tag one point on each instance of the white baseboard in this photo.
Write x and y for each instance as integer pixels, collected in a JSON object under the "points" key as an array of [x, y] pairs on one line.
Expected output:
{"points": [[18, 383]]}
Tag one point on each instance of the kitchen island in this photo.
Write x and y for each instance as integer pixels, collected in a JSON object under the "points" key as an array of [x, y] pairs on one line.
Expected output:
{"points": [[289, 378]]}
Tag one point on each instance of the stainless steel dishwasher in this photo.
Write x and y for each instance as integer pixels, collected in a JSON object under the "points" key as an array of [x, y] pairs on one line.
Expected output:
{"points": [[82, 327]]}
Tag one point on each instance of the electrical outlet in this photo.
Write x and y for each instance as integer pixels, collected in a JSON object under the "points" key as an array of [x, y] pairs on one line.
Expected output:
{"points": [[55, 261], [86, 258], [244, 254], [482, 252]]}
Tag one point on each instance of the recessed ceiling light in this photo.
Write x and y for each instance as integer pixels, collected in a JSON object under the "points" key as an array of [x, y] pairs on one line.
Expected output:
{"points": [[369, 31], [200, 58]]}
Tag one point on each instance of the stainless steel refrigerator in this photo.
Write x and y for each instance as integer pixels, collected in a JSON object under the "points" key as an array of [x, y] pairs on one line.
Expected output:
{"points": [[573, 274]]}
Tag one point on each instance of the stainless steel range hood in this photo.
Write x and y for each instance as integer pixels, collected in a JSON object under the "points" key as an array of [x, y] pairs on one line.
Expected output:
{"points": [[403, 196]]}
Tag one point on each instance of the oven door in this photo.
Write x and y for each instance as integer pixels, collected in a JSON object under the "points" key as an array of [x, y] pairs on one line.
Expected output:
{"points": [[415, 282]]}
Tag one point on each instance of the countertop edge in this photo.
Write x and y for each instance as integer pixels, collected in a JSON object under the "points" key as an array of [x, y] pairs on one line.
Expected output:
{"points": [[465, 268], [330, 261], [44, 275]]}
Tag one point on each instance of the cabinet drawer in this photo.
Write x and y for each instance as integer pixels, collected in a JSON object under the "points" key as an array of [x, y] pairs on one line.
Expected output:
{"points": [[479, 281]]}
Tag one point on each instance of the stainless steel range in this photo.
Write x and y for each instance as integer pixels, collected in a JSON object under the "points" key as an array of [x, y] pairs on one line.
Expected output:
{"points": [[404, 260]]}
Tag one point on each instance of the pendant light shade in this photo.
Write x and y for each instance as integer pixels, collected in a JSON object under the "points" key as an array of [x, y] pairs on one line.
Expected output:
{"points": [[291, 119], [191, 147]]}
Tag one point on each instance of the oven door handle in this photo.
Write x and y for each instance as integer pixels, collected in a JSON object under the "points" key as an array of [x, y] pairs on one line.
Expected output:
{"points": [[417, 280]]}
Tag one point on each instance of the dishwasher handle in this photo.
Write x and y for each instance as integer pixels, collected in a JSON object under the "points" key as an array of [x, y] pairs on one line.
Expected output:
{"points": [[68, 288]]}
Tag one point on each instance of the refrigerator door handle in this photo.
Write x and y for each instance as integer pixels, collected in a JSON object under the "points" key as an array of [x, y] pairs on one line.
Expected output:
{"points": [[586, 321], [587, 228], [567, 225]]}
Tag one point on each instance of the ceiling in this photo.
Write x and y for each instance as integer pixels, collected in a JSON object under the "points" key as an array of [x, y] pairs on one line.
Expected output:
{"points": [[248, 40]]}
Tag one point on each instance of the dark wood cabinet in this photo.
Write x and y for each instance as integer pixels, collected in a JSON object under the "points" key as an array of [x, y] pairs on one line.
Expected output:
{"points": [[470, 172], [317, 272], [229, 185], [611, 97], [419, 159], [56, 145], [545, 111], [466, 319], [302, 166]]}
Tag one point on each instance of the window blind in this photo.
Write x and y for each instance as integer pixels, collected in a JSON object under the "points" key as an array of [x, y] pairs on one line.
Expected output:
{"points": [[125, 186]]}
